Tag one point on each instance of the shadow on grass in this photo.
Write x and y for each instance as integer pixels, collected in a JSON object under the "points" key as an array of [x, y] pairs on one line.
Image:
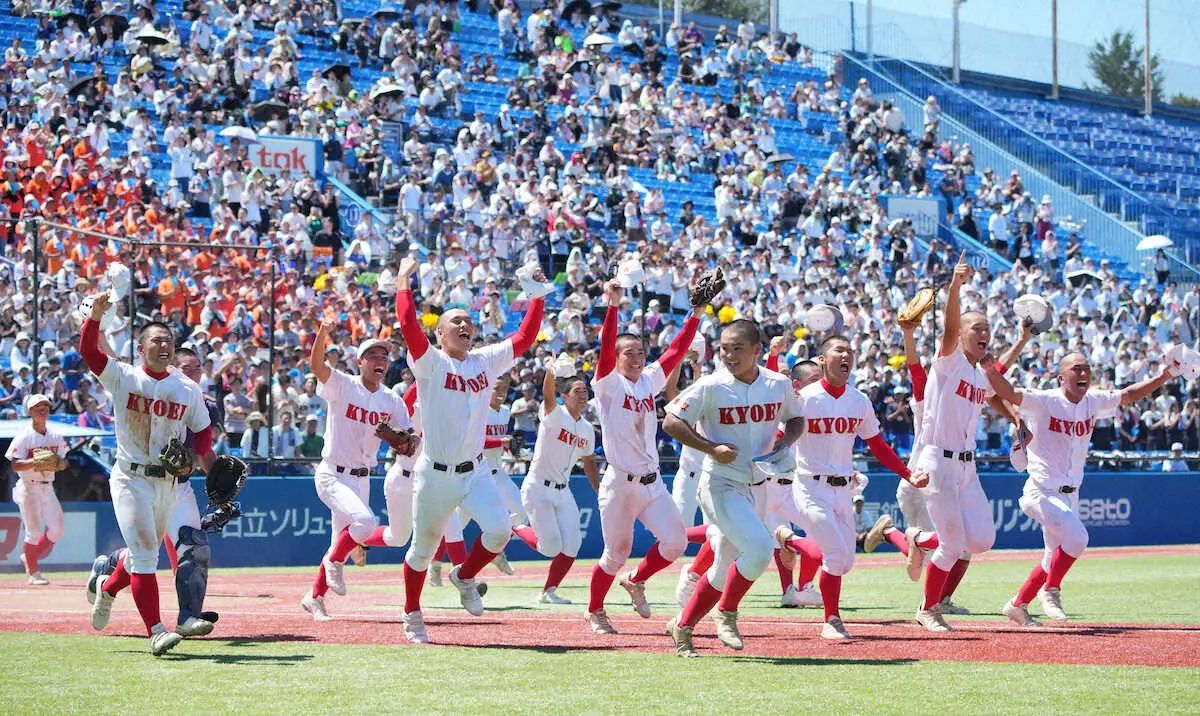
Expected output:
{"points": [[816, 661], [249, 659], [270, 638], [542, 648]]}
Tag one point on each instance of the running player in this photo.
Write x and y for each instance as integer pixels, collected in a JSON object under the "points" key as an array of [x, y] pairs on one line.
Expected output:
{"points": [[740, 408], [497, 441], [41, 513], [455, 384], [565, 437], [632, 488], [1061, 421]]}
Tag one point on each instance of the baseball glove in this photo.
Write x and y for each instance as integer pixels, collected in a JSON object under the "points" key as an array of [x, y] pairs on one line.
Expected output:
{"points": [[710, 285], [44, 459], [919, 305], [176, 459], [225, 480], [402, 443]]}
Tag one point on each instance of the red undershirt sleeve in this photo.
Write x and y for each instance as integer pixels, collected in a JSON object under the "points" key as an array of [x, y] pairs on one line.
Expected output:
{"points": [[679, 347], [89, 347], [919, 378], [607, 359], [887, 457], [527, 333], [772, 362], [202, 441], [414, 335]]}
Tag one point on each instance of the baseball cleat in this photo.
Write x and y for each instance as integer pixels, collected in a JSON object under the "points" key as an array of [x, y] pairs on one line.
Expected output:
{"points": [[435, 573], [787, 555], [316, 607], [834, 629], [162, 641], [682, 636], [875, 535], [24, 564], [335, 576], [790, 597], [210, 617], [808, 596], [686, 586], [1019, 614], [727, 629], [637, 595], [932, 620], [468, 594], [501, 563], [99, 564], [916, 555], [102, 609], [194, 627], [550, 596], [598, 621], [38, 580], [1052, 604], [414, 628], [358, 555], [481, 587], [948, 607]]}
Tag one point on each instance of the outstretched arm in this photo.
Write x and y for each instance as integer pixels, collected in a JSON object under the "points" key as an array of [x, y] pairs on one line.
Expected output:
{"points": [[607, 359], [952, 317], [889, 459], [1000, 384], [316, 357], [1137, 391], [89, 341], [406, 311], [527, 333], [549, 390], [681, 344], [1009, 357]]}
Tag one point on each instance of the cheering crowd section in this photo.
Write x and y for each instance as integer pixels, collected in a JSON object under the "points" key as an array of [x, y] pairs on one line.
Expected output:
{"points": [[519, 141]]}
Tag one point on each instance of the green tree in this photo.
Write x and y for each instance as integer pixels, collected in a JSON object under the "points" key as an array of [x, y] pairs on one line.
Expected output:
{"points": [[1183, 100], [1119, 68]]}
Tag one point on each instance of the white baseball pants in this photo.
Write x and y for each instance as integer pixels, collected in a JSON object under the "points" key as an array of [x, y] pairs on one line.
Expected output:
{"points": [[958, 507], [40, 511], [143, 506], [621, 504], [829, 519], [511, 495], [781, 507], [347, 497], [398, 496], [185, 512], [912, 506], [685, 493], [738, 534], [554, 516], [1061, 526], [436, 495]]}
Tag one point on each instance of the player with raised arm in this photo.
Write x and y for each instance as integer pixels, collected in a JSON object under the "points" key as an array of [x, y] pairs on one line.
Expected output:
{"points": [[565, 437], [36, 454], [1061, 421], [454, 383], [362, 412], [632, 488], [739, 407], [154, 406]]}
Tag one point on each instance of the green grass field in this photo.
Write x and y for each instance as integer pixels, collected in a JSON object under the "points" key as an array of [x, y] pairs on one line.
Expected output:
{"points": [[60, 674]]}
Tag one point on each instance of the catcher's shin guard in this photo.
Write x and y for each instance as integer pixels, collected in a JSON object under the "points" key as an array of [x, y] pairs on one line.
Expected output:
{"points": [[191, 580]]}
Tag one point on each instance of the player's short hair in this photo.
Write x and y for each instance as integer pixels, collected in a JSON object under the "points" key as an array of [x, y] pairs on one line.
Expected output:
{"points": [[186, 352], [1062, 361], [627, 336], [151, 324], [797, 372], [969, 316], [744, 328], [564, 385], [830, 341]]}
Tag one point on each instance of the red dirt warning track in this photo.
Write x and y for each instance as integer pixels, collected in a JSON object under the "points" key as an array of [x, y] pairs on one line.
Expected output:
{"points": [[265, 607]]}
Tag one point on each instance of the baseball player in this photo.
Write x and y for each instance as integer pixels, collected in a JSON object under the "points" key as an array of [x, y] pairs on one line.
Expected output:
{"points": [[835, 414], [455, 382], [1061, 421], [152, 406], [685, 488], [739, 407], [957, 505], [36, 454], [631, 488], [187, 544], [359, 407], [565, 437], [494, 445]]}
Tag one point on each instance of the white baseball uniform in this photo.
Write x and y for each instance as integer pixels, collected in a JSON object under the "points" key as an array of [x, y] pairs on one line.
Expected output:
{"points": [[632, 488], [685, 490], [41, 513], [148, 412], [493, 452], [746, 416], [343, 477], [955, 499], [825, 475], [398, 496], [912, 499], [1062, 433], [561, 443], [450, 470]]}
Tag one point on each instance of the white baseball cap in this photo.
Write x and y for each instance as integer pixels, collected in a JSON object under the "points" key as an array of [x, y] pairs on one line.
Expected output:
{"points": [[371, 343], [35, 400]]}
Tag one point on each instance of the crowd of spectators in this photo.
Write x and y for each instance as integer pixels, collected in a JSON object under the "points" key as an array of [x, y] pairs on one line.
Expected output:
{"points": [[476, 199]]}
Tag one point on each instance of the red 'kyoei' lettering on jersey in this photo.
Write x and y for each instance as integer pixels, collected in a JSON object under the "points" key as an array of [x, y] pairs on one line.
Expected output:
{"points": [[462, 385], [370, 417], [1074, 428], [833, 426], [497, 430], [742, 414], [564, 436], [971, 392], [158, 408], [644, 405]]}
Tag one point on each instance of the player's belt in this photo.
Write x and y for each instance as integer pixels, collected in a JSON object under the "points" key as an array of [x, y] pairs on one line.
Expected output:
{"points": [[555, 485], [460, 468], [783, 480], [760, 482], [1067, 489], [406, 473], [148, 470], [647, 479], [354, 471], [835, 480], [965, 456]]}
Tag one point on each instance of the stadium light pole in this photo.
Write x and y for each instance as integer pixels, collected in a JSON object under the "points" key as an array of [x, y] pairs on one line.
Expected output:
{"points": [[662, 33], [871, 31], [679, 13], [773, 19], [1054, 49], [954, 21], [1146, 57]]}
